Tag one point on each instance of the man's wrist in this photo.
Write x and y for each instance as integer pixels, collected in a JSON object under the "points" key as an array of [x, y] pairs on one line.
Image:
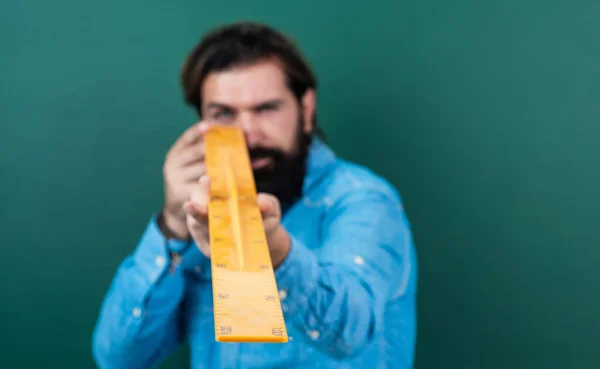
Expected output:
{"points": [[171, 229]]}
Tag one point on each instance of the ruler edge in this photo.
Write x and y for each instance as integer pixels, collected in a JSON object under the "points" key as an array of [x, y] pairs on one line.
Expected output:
{"points": [[239, 339]]}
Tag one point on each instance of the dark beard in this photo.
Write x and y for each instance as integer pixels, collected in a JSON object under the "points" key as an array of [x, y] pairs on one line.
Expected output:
{"points": [[285, 178]]}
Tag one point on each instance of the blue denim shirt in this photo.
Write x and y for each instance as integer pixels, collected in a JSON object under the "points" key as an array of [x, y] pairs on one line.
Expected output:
{"points": [[347, 287]]}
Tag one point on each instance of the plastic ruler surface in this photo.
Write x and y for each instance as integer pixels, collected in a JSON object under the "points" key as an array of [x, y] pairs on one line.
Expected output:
{"points": [[246, 300]]}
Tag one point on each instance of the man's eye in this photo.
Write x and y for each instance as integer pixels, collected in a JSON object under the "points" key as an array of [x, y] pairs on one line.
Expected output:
{"points": [[266, 108], [223, 114]]}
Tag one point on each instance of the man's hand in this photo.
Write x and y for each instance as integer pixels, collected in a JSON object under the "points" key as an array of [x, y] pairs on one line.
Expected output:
{"points": [[197, 221], [184, 165]]}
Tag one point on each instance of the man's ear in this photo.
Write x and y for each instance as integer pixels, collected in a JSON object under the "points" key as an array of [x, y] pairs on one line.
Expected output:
{"points": [[309, 105]]}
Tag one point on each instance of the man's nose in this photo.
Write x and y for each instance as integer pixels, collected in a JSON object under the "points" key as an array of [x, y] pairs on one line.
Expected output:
{"points": [[251, 127]]}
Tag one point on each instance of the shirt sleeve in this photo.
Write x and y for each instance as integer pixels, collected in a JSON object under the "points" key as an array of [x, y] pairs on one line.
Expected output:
{"points": [[337, 292], [139, 321]]}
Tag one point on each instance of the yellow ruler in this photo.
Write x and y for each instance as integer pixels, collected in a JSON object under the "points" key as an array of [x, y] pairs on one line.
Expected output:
{"points": [[246, 300]]}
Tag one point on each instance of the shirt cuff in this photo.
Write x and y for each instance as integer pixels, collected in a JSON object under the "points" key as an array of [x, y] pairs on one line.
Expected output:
{"points": [[153, 259], [297, 277], [151, 255]]}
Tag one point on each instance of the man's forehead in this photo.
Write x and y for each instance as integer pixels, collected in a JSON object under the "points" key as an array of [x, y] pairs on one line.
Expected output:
{"points": [[246, 85]]}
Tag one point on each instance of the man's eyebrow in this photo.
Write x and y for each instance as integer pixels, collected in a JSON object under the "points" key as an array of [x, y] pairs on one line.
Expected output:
{"points": [[216, 105], [275, 103]]}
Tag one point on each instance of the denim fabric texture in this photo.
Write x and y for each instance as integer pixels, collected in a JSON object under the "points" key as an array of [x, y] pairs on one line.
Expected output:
{"points": [[347, 288]]}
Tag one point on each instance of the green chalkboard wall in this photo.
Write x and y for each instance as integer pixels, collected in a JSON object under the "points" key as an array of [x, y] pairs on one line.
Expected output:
{"points": [[485, 115]]}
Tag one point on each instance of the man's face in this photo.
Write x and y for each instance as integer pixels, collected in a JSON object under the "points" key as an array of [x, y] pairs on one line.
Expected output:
{"points": [[277, 128]]}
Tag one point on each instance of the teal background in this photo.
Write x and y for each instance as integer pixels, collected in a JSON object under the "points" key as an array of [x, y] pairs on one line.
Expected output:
{"points": [[485, 115]]}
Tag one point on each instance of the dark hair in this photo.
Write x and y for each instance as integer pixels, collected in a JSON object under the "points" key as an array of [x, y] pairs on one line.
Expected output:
{"points": [[244, 43]]}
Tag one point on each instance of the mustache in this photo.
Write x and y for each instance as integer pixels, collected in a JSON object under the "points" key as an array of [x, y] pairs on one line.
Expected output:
{"points": [[261, 152]]}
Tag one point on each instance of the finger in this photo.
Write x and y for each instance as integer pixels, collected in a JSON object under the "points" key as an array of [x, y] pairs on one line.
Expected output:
{"points": [[205, 183], [192, 172], [201, 193], [201, 196], [206, 125], [268, 204], [197, 211], [189, 155], [199, 233], [187, 176], [197, 206], [189, 136]]}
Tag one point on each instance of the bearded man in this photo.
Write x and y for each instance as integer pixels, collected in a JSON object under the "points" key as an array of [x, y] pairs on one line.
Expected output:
{"points": [[340, 242]]}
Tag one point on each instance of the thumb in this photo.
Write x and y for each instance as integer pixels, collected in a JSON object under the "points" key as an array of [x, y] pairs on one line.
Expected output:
{"points": [[268, 204], [197, 207], [202, 194]]}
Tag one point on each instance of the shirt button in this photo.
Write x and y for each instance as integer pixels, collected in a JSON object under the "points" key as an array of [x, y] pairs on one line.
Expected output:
{"points": [[198, 269], [137, 312], [159, 261], [314, 334], [176, 259], [358, 260], [282, 294]]}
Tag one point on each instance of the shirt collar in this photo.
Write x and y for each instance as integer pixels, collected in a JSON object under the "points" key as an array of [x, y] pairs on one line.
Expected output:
{"points": [[320, 156]]}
